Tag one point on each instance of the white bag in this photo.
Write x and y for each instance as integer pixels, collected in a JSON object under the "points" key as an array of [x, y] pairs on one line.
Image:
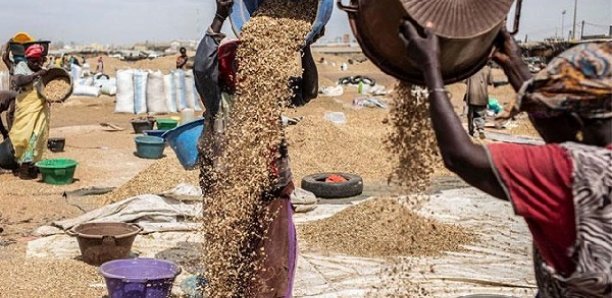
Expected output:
{"points": [[156, 97], [125, 92], [75, 72], [86, 69], [170, 92], [179, 84], [89, 81], [140, 92], [108, 89], [5, 81], [189, 88], [101, 82], [84, 90], [199, 106]]}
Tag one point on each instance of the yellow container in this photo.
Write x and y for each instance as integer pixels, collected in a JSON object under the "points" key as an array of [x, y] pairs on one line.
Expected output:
{"points": [[22, 37]]}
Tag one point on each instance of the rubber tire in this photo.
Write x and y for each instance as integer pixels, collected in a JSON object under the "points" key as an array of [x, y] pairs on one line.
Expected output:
{"points": [[351, 188], [100, 75], [345, 80]]}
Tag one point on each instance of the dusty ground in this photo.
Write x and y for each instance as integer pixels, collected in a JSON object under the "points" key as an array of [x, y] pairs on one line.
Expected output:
{"points": [[106, 159]]}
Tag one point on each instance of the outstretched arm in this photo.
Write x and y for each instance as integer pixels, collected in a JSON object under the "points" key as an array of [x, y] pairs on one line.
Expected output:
{"points": [[206, 64], [460, 154], [508, 56], [24, 80], [5, 57], [310, 83]]}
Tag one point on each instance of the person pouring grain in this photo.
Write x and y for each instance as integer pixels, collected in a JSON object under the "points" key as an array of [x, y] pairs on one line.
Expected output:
{"points": [[31, 125], [562, 189], [215, 77]]}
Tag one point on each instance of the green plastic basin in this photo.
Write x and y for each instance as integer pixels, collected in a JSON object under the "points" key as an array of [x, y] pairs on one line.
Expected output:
{"points": [[58, 171], [166, 124]]}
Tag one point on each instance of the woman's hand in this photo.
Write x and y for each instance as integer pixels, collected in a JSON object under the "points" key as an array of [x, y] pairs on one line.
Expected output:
{"points": [[224, 8], [424, 49], [507, 49], [41, 73], [508, 56]]}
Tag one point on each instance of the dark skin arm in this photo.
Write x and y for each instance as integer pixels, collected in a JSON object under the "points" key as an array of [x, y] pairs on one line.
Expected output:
{"points": [[5, 57], [508, 56], [21, 80], [223, 10], [310, 82], [460, 154]]}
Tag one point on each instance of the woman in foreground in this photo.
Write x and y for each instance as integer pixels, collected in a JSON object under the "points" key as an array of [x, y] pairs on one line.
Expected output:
{"points": [[563, 189]]}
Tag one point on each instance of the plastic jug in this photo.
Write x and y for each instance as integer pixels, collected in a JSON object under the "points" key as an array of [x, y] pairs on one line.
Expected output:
{"points": [[187, 115], [243, 9], [467, 31]]}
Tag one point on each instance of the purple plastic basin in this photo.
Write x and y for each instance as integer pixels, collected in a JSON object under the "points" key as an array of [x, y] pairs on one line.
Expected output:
{"points": [[139, 278]]}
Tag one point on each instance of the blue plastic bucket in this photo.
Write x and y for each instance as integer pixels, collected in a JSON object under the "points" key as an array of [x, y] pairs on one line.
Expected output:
{"points": [[150, 278], [155, 133], [184, 141], [149, 147], [243, 9]]}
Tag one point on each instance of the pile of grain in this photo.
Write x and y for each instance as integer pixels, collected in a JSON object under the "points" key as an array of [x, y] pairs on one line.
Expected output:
{"points": [[57, 90], [162, 176], [412, 141], [383, 228], [235, 215], [44, 278]]}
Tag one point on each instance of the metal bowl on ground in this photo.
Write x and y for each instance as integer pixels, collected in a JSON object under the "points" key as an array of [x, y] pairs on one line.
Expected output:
{"points": [[141, 125], [103, 242], [56, 144]]}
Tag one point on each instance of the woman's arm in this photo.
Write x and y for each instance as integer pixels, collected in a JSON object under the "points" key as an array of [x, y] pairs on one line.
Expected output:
{"points": [[24, 80], [460, 154], [206, 64], [508, 56], [310, 82], [5, 57]]}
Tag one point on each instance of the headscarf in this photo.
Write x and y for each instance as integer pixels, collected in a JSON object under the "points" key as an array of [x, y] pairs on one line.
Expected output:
{"points": [[34, 51], [228, 66], [577, 81]]}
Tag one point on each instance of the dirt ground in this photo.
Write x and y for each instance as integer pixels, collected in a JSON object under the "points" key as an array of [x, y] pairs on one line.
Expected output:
{"points": [[106, 159]]}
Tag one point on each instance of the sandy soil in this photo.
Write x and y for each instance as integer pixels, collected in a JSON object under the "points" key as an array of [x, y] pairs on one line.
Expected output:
{"points": [[106, 160]]}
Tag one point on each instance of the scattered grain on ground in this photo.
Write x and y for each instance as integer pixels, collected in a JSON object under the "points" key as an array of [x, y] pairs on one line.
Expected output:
{"points": [[162, 176], [383, 228], [49, 278]]}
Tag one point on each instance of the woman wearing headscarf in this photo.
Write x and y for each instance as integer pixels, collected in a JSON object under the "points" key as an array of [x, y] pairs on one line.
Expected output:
{"points": [[215, 78], [563, 189], [31, 125]]}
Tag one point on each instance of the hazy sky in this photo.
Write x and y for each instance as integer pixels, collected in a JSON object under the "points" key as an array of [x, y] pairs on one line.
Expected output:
{"points": [[127, 21]]}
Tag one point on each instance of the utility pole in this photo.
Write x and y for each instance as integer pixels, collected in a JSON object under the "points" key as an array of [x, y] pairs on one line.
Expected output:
{"points": [[563, 24], [575, 14], [582, 30]]}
